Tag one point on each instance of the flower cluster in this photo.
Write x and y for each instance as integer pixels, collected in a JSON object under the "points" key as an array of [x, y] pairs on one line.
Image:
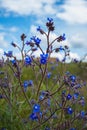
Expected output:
{"points": [[36, 113], [50, 24], [36, 40], [61, 38], [28, 60], [54, 99], [28, 83], [43, 58], [8, 54]]}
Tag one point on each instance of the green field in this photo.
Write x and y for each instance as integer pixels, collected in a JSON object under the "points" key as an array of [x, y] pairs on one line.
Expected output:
{"points": [[14, 106]]}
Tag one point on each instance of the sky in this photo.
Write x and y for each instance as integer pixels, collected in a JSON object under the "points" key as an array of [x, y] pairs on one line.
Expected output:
{"points": [[24, 16]]}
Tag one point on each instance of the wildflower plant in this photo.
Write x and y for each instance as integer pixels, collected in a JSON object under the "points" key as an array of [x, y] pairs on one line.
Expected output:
{"points": [[34, 93]]}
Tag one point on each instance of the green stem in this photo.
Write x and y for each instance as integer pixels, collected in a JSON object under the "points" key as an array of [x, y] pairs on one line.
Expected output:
{"points": [[45, 120], [19, 79], [41, 80]]}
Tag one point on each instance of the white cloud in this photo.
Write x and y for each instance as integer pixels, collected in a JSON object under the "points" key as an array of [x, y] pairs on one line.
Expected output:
{"points": [[85, 59], [17, 54], [48, 8], [3, 42], [1, 53], [57, 55], [8, 29], [6, 35], [74, 56], [27, 7], [74, 11], [13, 29], [78, 41]]}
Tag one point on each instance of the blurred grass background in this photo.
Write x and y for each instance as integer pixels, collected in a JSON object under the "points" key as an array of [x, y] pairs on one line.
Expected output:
{"points": [[8, 118]]}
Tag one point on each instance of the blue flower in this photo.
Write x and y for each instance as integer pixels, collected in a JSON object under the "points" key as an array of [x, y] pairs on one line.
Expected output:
{"points": [[49, 74], [73, 78], [36, 40], [63, 37], [33, 116], [43, 58], [69, 110], [25, 84], [38, 28], [69, 97], [61, 48], [13, 61], [8, 54], [28, 60], [36, 114], [82, 113], [36, 108], [41, 97], [30, 83], [50, 20], [27, 42], [43, 61], [76, 95]]}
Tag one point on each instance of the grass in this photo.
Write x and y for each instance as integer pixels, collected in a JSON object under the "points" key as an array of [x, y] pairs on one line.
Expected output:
{"points": [[10, 114]]}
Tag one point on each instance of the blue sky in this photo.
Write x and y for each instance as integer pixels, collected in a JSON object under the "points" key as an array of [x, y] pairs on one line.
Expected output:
{"points": [[23, 16]]}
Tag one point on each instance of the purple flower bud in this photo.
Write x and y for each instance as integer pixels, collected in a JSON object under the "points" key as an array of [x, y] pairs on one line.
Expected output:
{"points": [[13, 44]]}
